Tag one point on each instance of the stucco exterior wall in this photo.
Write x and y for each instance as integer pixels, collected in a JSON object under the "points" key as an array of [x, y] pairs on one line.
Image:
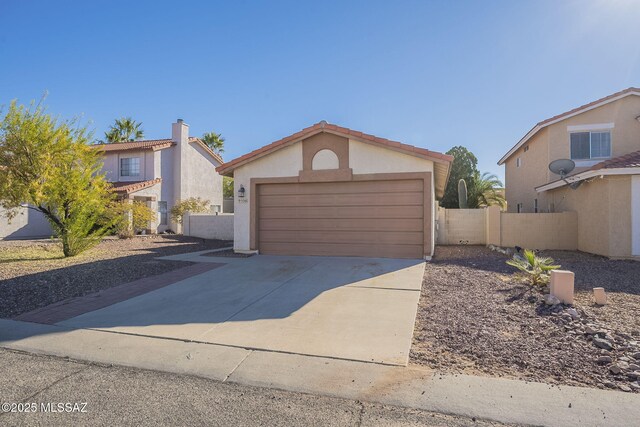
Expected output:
{"points": [[539, 231], [111, 166], [28, 224], [199, 176], [603, 207], [282, 163], [520, 182]]}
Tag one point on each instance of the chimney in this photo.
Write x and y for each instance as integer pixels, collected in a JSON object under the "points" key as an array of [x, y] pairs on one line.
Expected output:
{"points": [[180, 132]]}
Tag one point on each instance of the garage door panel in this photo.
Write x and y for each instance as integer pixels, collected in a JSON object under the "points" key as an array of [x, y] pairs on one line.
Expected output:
{"points": [[397, 212], [361, 199], [353, 187], [335, 224], [337, 249], [357, 237], [356, 218]]}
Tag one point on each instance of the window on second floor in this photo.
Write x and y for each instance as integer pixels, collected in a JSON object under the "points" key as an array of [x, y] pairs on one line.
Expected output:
{"points": [[130, 166], [590, 145]]}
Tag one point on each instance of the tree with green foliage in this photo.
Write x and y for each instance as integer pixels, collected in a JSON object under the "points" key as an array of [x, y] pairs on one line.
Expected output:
{"points": [[48, 166], [486, 191], [464, 166], [191, 205], [125, 129], [227, 187], [215, 141]]}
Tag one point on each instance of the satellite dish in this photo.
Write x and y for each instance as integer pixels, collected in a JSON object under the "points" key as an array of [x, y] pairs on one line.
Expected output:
{"points": [[562, 167]]}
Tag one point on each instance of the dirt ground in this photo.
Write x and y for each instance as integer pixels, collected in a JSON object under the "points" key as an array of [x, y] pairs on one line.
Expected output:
{"points": [[34, 273], [477, 316]]}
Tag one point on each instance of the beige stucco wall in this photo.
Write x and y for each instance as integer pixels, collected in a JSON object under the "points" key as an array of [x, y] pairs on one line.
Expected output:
{"points": [[539, 231], [284, 162], [553, 142], [27, 224], [520, 182], [287, 162], [603, 208]]}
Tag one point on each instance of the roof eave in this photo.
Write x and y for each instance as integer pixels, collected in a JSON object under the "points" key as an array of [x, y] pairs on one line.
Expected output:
{"points": [[586, 175]]}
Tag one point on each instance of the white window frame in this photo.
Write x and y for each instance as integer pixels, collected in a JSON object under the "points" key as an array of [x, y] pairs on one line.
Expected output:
{"points": [[590, 130]]}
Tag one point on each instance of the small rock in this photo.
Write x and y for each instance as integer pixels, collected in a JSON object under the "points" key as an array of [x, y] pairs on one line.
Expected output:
{"points": [[573, 313], [551, 300], [633, 375], [624, 388], [608, 384], [624, 359], [615, 369], [589, 330], [604, 359], [602, 343], [634, 367], [637, 356], [623, 365], [635, 386]]}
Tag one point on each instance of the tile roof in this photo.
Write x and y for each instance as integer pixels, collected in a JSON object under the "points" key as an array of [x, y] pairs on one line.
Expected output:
{"points": [[128, 187], [631, 160], [149, 144], [327, 127], [567, 114], [153, 144]]}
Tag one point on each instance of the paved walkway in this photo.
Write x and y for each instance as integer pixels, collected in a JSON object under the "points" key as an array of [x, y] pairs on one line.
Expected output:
{"points": [[496, 399]]}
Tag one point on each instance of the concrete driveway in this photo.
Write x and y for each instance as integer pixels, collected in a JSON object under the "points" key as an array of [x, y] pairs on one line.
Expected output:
{"points": [[347, 308]]}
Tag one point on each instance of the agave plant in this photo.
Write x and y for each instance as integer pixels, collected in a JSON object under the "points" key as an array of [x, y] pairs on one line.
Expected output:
{"points": [[537, 268]]}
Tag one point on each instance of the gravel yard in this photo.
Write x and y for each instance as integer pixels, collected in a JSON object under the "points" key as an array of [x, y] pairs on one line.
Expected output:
{"points": [[34, 273], [477, 316]]}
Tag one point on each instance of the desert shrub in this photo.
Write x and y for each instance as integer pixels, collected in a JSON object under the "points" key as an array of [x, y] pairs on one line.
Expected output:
{"points": [[192, 204], [129, 218], [536, 269]]}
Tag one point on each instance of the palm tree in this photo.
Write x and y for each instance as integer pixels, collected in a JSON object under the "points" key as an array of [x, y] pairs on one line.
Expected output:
{"points": [[485, 191], [215, 141], [124, 129]]}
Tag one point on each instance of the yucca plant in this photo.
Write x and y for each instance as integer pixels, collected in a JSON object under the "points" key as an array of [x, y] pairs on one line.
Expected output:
{"points": [[535, 267]]}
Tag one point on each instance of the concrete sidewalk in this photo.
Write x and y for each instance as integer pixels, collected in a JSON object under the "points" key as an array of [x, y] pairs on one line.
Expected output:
{"points": [[496, 399]]}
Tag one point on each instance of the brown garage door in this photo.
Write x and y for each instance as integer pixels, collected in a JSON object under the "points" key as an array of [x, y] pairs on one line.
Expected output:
{"points": [[356, 218]]}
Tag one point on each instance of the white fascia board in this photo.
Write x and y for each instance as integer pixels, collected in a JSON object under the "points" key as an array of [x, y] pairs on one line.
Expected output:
{"points": [[586, 175], [584, 128], [559, 119]]}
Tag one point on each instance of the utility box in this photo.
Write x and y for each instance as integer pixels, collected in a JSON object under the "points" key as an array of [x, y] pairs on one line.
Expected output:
{"points": [[562, 284]]}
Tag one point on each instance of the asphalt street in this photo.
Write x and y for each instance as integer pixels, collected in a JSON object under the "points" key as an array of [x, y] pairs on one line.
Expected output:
{"points": [[65, 392]]}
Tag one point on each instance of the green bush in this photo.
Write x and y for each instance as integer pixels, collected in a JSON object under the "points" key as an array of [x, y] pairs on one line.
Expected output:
{"points": [[192, 204], [536, 268], [129, 218]]}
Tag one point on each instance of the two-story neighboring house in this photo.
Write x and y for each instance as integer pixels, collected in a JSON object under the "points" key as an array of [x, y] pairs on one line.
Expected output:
{"points": [[602, 138], [163, 171]]}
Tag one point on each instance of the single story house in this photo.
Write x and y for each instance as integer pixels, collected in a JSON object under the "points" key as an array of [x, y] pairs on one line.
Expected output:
{"points": [[329, 190]]}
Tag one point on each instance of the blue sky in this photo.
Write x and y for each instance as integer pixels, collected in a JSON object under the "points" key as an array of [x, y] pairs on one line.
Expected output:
{"points": [[429, 73]]}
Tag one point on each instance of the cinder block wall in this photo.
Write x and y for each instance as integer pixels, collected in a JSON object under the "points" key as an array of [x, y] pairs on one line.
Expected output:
{"points": [[208, 226], [491, 226]]}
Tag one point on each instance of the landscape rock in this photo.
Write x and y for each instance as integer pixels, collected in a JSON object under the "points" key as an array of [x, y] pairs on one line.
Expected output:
{"points": [[615, 369], [634, 367], [573, 313], [551, 300], [602, 343], [633, 375], [624, 388], [604, 360], [637, 356]]}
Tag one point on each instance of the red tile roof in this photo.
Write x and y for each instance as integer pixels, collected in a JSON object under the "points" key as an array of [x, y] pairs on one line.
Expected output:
{"points": [[150, 144], [327, 127], [153, 144], [631, 160], [128, 187]]}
